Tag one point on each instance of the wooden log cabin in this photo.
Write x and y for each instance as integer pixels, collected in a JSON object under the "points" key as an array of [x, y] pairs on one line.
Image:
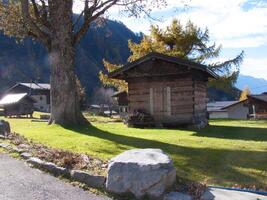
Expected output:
{"points": [[17, 105], [172, 90], [40, 92]]}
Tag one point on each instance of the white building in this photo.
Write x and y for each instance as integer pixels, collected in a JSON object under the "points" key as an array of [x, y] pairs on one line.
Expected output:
{"points": [[228, 109], [40, 92]]}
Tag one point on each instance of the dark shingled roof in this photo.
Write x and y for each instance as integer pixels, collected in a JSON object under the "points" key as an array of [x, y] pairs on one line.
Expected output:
{"points": [[38, 86], [219, 105], [163, 57], [262, 97]]}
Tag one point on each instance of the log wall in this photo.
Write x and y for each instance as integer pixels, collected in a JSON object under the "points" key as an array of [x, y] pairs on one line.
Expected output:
{"points": [[171, 101], [174, 95], [200, 103]]}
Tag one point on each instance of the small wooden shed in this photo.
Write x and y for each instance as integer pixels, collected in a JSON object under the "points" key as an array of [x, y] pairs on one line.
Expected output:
{"points": [[172, 90], [17, 105]]}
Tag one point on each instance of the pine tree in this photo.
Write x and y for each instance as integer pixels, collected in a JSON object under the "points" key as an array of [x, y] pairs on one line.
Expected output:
{"points": [[187, 42]]}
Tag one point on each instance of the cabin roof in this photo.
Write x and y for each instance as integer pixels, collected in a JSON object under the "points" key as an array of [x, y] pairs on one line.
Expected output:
{"points": [[261, 97], [36, 86], [159, 56], [32, 86], [95, 106], [220, 106], [13, 98], [233, 104]]}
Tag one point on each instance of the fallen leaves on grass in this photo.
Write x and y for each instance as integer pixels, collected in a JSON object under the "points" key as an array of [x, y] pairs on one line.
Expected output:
{"points": [[194, 189], [60, 157]]}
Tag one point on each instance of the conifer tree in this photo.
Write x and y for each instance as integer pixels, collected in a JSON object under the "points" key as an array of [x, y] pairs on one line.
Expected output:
{"points": [[183, 41]]}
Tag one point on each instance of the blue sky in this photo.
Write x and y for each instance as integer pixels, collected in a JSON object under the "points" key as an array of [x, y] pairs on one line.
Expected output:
{"points": [[235, 24]]}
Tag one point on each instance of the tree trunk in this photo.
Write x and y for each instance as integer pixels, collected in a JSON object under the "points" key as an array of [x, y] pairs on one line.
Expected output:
{"points": [[65, 100]]}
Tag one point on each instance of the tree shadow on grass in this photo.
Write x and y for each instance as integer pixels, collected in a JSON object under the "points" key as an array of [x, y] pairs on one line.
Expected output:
{"points": [[231, 132], [219, 165]]}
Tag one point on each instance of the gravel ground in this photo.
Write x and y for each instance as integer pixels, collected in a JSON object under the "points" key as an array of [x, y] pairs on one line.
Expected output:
{"points": [[18, 181]]}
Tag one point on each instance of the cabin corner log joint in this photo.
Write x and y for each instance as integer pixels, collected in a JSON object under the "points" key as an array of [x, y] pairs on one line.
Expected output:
{"points": [[172, 90]]}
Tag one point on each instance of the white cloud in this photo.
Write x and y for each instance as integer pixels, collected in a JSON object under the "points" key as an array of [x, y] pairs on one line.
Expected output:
{"points": [[251, 66], [244, 42], [229, 23], [234, 24], [255, 67], [77, 6], [223, 18]]}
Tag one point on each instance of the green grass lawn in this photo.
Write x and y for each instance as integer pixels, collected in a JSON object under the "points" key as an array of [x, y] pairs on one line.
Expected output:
{"points": [[227, 152]]}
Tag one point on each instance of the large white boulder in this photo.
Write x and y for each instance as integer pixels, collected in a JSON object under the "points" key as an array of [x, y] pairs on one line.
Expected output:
{"points": [[142, 172]]}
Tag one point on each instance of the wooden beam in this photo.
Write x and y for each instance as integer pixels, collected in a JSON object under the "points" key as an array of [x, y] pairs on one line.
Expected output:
{"points": [[151, 101]]}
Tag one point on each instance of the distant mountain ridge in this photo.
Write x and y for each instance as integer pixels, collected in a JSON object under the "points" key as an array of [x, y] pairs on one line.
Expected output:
{"points": [[28, 61], [256, 85]]}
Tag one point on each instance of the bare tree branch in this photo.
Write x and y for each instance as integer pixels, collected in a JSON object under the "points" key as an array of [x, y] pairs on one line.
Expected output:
{"points": [[31, 24], [41, 15], [134, 7], [86, 24], [35, 9], [89, 16], [77, 20], [37, 15], [44, 13]]}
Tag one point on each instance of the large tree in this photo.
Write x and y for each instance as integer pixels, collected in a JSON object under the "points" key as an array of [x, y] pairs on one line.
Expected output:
{"points": [[184, 41], [53, 24]]}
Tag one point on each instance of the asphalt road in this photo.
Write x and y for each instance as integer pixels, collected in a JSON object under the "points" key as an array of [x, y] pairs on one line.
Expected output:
{"points": [[18, 181]]}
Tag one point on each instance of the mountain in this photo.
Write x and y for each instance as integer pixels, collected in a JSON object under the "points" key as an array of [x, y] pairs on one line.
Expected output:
{"points": [[28, 60], [215, 94], [256, 85]]}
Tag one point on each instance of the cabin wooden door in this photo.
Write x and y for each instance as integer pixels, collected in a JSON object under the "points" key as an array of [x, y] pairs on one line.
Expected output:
{"points": [[160, 102]]}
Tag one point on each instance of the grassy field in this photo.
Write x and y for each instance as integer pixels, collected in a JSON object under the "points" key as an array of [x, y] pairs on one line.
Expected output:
{"points": [[227, 152]]}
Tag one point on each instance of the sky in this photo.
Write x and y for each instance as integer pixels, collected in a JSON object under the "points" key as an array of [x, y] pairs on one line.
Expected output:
{"points": [[235, 24]]}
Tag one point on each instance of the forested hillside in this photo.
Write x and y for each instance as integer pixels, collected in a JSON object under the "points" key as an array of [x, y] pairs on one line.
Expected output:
{"points": [[256, 85], [27, 61]]}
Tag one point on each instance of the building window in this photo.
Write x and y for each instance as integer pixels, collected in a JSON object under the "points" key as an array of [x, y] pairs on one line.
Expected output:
{"points": [[41, 98]]}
